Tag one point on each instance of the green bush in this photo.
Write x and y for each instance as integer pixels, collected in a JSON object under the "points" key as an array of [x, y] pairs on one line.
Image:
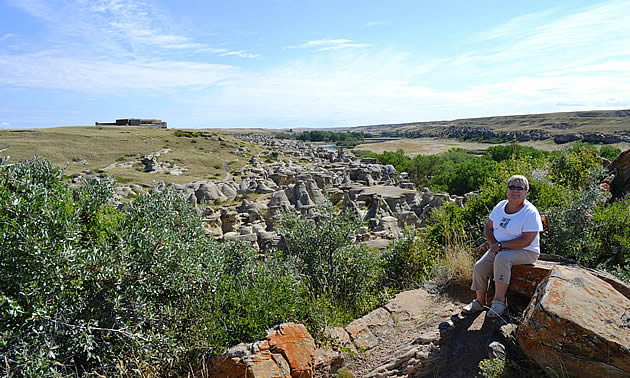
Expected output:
{"points": [[492, 368], [609, 227], [609, 152], [572, 167], [569, 222], [506, 152], [334, 265], [466, 176], [410, 259], [86, 288]]}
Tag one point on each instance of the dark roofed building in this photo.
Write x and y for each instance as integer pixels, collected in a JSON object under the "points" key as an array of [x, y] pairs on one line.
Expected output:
{"points": [[135, 122]]}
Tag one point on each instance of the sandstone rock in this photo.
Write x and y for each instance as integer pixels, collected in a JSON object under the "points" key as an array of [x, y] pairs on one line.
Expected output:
{"points": [[316, 194], [525, 278], [248, 360], [327, 362], [209, 192], [621, 167], [280, 199], [227, 190], [409, 306], [410, 361], [574, 325], [340, 336], [263, 188], [389, 226], [296, 345], [366, 331]]}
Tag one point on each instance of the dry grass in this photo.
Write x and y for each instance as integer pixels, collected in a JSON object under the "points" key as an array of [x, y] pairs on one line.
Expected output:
{"points": [[201, 156], [421, 146], [456, 266], [430, 146]]}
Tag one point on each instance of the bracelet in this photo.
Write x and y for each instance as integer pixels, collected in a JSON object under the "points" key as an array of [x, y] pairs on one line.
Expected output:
{"points": [[500, 245]]}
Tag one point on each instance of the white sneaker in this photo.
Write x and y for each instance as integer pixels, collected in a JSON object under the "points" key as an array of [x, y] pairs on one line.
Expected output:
{"points": [[472, 308], [497, 309]]}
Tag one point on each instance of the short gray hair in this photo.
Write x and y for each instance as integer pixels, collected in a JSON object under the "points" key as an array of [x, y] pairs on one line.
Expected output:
{"points": [[519, 178]]}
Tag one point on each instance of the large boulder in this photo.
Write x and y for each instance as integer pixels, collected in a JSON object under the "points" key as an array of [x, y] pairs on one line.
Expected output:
{"points": [[248, 360], [296, 345], [621, 167], [209, 192], [287, 351], [577, 325]]}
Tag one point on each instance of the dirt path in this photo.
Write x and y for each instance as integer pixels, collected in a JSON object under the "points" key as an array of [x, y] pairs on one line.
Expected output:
{"points": [[443, 344]]}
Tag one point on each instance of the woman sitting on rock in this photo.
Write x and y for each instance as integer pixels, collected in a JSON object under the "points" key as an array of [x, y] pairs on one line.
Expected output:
{"points": [[512, 233]]}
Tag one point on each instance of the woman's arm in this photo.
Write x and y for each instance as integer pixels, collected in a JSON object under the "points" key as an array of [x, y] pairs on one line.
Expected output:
{"points": [[489, 233], [519, 243]]}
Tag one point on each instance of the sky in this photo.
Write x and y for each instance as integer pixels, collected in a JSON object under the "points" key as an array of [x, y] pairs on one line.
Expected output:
{"points": [[303, 63]]}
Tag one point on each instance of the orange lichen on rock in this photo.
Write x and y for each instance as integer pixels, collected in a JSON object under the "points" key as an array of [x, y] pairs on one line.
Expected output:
{"points": [[573, 325], [296, 345]]}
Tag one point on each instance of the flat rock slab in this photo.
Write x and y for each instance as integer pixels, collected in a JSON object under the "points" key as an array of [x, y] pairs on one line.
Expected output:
{"points": [[410, 306], [575, 325], [367, 332], [525, 278]]}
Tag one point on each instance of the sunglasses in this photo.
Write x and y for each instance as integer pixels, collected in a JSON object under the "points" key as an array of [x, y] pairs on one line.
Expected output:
{"points": [[514, 187]]}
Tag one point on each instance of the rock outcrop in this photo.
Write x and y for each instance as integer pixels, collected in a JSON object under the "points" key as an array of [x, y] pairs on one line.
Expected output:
{"points": [[578, 325], [287, 351], [620, 167]]}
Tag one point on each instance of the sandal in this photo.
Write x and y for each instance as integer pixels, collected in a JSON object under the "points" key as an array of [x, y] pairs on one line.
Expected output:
{"points": [[472, 308], [497, 309]]}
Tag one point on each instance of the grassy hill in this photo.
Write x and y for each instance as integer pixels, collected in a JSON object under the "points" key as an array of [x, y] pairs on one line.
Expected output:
{"points": [[607, 121], [201, 153]]}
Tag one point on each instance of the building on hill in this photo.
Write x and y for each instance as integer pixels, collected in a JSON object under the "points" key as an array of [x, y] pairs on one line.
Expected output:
{"points": [[135, 122]]}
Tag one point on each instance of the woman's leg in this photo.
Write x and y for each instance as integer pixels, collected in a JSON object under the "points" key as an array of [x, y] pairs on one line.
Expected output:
{"points": [[503, 263], [481, 274]]}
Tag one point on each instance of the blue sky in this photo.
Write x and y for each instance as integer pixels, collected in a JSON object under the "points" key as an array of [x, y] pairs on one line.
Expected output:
{"points": [[285, 63]]}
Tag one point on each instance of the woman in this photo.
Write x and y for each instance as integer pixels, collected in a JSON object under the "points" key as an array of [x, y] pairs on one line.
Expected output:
{"points": [[512, 233]]}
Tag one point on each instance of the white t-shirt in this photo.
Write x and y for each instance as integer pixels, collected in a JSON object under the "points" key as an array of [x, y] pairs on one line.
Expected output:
{"points": [[511, 226]]}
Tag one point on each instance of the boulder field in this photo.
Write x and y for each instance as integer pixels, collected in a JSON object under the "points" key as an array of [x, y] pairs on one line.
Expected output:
{"points": [[300, 177]]}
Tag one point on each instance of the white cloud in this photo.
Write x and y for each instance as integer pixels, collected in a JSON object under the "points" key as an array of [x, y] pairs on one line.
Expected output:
{"points": [[242, 54], [329, 44], [599, 32], [107, 76], [6, 36], [4, 124], [113, 27]]}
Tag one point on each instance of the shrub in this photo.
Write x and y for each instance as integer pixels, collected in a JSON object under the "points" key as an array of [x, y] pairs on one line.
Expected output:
{"points": [[609, 152], [466, 176], [569, 222], [89, 289], [506, 152], [609, 227], [572, 167], [328, 256], [410, 259], [492, 368]]}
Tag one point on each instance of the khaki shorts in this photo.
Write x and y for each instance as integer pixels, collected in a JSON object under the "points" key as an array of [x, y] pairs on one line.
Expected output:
{"points": [[499, 264]]}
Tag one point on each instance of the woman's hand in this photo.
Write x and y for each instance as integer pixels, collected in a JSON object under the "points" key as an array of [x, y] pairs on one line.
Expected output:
{"points": [[494, 248]]}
